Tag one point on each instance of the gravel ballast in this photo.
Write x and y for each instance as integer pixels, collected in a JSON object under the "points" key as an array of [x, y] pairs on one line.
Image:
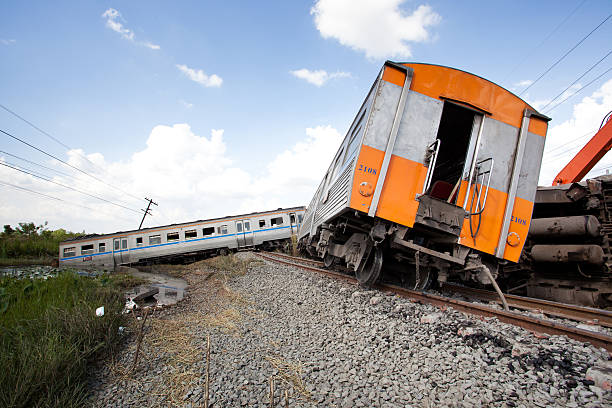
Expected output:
{"points": [[329, 343]]}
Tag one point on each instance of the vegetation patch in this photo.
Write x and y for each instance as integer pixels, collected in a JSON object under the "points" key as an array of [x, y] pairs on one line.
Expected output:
{"points": [[49, 331], [29, 244]]}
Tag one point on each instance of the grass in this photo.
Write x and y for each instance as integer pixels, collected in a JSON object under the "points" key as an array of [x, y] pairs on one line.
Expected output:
{"points": [[49, 332]]}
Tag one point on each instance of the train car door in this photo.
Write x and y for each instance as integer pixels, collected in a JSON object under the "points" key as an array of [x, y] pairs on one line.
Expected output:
{"points": [[293, 223], [120, 251], [244, 236]]}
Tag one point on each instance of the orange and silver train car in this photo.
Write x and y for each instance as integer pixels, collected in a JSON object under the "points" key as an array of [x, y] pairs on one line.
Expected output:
{"points": [[436, 176]]}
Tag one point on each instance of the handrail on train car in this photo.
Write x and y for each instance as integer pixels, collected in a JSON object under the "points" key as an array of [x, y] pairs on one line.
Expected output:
{"points": [[433, 158], [483, 174]]}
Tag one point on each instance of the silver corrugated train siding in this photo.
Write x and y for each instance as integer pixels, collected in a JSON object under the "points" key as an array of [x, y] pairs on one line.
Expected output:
{"points": [[338, 197]]}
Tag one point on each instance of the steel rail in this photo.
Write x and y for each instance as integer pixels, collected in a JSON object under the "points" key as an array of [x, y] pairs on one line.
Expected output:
{"points": [[527, 322], [556, 309]]}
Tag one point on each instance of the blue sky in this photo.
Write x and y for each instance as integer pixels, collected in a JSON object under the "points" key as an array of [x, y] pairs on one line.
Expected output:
{"points": [[102, 81]]}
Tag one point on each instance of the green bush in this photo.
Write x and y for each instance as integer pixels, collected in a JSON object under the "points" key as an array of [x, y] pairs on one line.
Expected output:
{"points": [[49, 331], [31, 241]]}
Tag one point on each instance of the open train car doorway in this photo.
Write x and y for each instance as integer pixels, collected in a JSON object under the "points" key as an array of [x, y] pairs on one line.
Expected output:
{"points": [[456, 140]]}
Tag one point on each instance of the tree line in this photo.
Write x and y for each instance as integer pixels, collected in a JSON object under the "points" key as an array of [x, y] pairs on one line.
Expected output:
{"points": [[28, 240]]}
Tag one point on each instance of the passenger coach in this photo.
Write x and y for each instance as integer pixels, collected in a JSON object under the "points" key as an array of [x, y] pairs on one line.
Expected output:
{"points": [[437, 173], [196, 239]]}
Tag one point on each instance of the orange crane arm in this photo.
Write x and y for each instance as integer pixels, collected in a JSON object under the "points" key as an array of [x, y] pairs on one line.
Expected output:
{"points": [[587, 157]]}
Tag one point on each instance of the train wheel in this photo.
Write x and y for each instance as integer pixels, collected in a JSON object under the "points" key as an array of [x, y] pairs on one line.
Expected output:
{"points": [[369, 273]]}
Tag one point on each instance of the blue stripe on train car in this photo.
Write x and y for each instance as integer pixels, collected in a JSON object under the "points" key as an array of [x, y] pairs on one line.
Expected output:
{"points": [[172, 243]]}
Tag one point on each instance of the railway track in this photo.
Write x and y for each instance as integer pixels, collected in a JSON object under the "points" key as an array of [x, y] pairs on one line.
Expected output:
{"points": [[553, 309], [533, 324]]}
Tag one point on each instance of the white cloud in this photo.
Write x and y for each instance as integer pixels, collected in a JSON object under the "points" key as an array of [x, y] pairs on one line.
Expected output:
{"points": [[318, 77], [112, 17], [191, 177], [151, 45], [380, 28], [524, 82], [197, 75], [186, 104], [9, 41], [564, 140]]}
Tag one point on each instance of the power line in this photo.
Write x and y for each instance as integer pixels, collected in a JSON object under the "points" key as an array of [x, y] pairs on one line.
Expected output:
{"points": [[68, 187], [572, 141], [565, 55], [34, 126], [52, 197], [578, 91], [67, 147], [36, 164], [65, 163], [45, 176], [544, 40], [577, 79]]}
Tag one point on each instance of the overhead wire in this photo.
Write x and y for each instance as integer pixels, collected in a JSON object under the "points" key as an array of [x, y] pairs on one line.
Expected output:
{"points": [[572, 141], [36, 164], [578, 91], [69, 148], [564, 55], [577, 79], [544, 40], [68, 187], [52, 197], [63, 162]]}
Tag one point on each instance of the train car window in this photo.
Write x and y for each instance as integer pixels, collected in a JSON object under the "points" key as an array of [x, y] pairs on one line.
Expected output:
{"points": [[223, 229], [238, 227], [247, 225], [154, 239], [292, 218], [276, 221], [172, 236], [191, 234], [354, 140], [70, 251], [101, 247], [87, 249], [208, 231], [262, 223], [300, 218], [116, 245], [138, 241], [123, 243]]}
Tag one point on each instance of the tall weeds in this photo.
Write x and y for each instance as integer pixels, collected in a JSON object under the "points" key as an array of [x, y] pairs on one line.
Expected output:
{"points": [[49, 331]]}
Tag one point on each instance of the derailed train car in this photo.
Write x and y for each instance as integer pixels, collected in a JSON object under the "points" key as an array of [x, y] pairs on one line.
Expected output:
{"points": [[184, 242], [436, 176]]}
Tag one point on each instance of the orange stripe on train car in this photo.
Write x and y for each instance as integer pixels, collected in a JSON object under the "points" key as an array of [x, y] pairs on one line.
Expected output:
{"points": [[405, 178], [486, 238], [537, 126], [519, 224], [394, 75], [367, 170]]}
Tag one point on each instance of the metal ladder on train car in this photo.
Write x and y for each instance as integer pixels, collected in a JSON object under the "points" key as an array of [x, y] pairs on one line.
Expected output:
{"points": [[480, 174]]}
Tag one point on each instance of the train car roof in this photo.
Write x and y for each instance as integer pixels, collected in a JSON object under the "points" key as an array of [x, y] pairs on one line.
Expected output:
{"points": [[442, 82], [89, 237]]}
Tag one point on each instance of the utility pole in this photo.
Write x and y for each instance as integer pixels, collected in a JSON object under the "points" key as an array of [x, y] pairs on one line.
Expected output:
{"points": [[147, 211]]}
